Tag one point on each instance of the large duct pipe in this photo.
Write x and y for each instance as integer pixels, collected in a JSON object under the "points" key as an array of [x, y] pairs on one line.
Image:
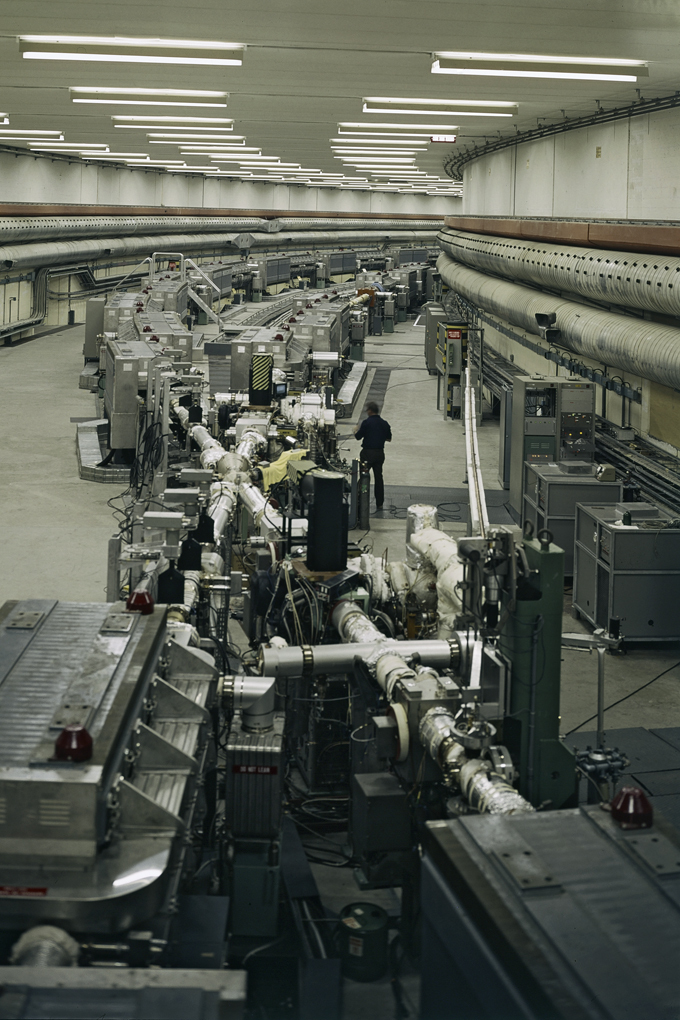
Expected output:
{"points": [[643, 348], [624, 278], [43, 228], [50, 253]]}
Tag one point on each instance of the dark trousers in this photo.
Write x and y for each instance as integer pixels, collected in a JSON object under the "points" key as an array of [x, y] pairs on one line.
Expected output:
{"points": [[375, 460]]}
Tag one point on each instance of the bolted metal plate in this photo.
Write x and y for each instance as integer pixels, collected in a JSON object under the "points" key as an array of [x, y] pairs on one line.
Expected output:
{"points": [[118, 623], [520, 861], [657, 851], [25, 621]]}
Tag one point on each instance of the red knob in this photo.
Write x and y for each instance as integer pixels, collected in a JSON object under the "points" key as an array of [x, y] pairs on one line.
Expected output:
{"points": [[631, 809], [74, 743]]}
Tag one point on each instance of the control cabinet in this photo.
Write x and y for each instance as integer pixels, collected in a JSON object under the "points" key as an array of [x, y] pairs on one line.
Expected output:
{"points": [[629, 572], [434, 314], [551, 494], [553, 420], [451, 358]]}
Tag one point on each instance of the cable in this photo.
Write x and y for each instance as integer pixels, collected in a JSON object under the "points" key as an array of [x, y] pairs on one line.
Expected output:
{"points": [[261, 949], [624, 698]]}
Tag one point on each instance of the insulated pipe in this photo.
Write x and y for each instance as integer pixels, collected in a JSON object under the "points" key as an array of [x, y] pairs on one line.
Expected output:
{"points": [[316, 660], [38, 228], [50, 253], [221, 510], [489, 792], [646, 349], [618, 277], [255, 698]]}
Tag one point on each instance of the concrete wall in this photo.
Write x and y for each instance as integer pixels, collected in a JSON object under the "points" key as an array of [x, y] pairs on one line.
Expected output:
{"points": [[634, 176], [41, 179]]}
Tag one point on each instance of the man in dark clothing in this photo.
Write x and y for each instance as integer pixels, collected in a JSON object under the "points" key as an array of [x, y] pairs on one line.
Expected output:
{"points": [[375, 432]]}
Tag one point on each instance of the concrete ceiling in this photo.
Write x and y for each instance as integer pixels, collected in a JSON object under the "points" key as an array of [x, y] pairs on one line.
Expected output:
{"points": [[308, 64]]}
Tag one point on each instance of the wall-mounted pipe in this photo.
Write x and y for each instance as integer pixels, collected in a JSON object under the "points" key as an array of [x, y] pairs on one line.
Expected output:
{"points": [[621, 278], [49, 253], [42, 228], [646, 349]]}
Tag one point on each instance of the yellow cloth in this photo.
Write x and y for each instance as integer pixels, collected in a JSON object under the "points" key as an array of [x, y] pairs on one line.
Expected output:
{"points": [[277, 471]]}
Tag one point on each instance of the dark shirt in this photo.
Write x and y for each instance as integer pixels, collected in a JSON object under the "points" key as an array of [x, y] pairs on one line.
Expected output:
{"points": [[375, 432]]}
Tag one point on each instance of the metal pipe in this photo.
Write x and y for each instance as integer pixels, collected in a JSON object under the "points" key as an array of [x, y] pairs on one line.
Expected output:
{"points": [[601, 651], [23, 229], [50, 253], [625, 278], [308, 660], [646, 349], [489, 792]]}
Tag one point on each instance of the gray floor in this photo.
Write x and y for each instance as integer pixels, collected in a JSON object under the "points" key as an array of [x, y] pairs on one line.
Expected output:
{"points": [[56, 527]]}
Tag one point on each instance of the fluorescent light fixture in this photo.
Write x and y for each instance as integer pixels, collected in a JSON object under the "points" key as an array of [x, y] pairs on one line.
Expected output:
{"points": [[128, 49], [149, 102], [369, 153], [398, 127], [178, 136], [13, 138], [375, 161], [114, 155], [68, 145], [4, 119], [443, 107], [529, 65], [443, 138], [355, 136], [171, 119], [29, 134], [100, 90], [382, 140]]}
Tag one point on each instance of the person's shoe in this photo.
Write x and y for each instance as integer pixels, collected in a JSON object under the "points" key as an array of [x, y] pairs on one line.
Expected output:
{"points": [[378, 508]]}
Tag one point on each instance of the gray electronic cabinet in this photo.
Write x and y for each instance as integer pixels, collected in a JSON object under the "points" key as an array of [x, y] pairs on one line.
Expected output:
{"points": [[553, 420], [551, 493], [628, 573], [434, 314]]}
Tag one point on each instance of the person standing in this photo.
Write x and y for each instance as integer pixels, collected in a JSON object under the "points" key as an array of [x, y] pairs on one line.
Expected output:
{"points": [[375, 432]]}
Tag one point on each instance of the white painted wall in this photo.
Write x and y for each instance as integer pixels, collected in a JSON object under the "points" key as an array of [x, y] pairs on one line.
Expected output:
{"points": [[634, 177], [43, 180]]}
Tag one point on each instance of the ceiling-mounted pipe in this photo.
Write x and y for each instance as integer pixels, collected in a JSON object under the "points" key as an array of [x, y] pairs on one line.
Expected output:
{"points": [[646, 349], [624, 278]]}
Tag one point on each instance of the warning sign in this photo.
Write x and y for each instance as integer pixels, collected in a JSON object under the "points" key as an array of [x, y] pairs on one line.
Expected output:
{"points": [[255, 770], [356, 946]]}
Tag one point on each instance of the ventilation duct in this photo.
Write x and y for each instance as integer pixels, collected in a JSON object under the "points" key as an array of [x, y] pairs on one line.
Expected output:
{"points": [[645, 349], [621, 278]]}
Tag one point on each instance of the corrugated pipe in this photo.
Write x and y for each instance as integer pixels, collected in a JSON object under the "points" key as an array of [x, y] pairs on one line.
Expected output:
{"points": [[621, 278], [646, 349], [49, 253]]}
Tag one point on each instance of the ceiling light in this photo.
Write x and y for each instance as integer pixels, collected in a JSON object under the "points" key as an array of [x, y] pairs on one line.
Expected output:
{"points": [[175, 118], [443, 138], [68, 145], [382, 140], [376, 135], [128, 49], [434, 113], [21, 138], [148, 102], [444, 107], [29, 134], [375, 161], [4, 119], [178, 136], [398, 127], [374, 152], [105, 91], [525, 65]]}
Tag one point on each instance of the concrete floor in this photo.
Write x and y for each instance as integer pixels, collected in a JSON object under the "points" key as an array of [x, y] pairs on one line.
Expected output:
{"points": [[56, 527]]}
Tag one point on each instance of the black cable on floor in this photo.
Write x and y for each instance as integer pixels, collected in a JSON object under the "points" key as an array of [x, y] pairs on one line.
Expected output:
{"points": [[624, 698]]}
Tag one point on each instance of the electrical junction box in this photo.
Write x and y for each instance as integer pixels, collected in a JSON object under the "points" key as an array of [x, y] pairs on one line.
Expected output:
{"points": [[380, 814]]}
